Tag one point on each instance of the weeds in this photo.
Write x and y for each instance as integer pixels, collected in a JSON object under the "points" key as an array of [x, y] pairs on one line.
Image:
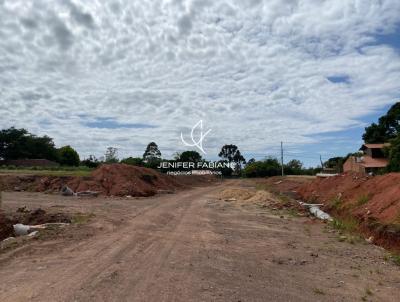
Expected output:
{"points": [[337, 203], [48, 171], [261, 186], [396, 259], [82, 218], [363, 199], [292, 212], [368, 292], [318, 291], [392, 257], [283, 198], [347, 225]]}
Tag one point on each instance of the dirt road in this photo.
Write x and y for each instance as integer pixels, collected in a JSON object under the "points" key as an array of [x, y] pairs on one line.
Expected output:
{"points": [[191, 246]]}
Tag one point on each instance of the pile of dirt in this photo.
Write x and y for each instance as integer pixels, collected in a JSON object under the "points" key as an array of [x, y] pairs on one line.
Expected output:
{"points": [[237, 194], [110, 180], [373, 200], [115, 180], [259, 197]]}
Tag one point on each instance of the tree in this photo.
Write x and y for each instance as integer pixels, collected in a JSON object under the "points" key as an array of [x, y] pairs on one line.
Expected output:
{"points": [[294, 167], [20, 144], [336, 163], [134, 161], [189, 156], [91, 162], [388, 127], [68, 156], [152, 153], [238, 159], [228, 152], [231, 153], [250, 161], [111, 155], [393, 153], [267, 167]]}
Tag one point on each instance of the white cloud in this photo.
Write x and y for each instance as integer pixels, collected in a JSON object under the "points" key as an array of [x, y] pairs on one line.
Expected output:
{"points": [[254, 71]]}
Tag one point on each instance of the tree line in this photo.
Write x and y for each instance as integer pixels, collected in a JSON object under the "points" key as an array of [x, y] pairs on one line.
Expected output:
{"points": [[20, 144]]}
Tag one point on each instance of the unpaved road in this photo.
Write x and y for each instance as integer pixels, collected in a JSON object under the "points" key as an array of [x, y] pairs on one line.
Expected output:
{"points": [[190, 246]]}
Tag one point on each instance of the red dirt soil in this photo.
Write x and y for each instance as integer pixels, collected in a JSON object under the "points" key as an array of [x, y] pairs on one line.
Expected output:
{"points": [[373, 200], [110, 180]]}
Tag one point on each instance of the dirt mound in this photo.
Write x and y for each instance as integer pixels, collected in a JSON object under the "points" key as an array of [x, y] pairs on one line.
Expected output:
{"points": [[115, 180], [238, 194], [245, 195], [261, 196], [110, 180], [130, 180], [377, 197], [373, 201]]}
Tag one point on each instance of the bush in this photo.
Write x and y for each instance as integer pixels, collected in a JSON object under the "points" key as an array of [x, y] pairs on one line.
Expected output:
{"points": [[134, 161], [91, 162], [68, 156], [268, 167]]}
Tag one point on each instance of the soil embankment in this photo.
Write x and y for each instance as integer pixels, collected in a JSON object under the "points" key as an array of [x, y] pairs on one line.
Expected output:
{"points": [[374, 201], [109, 180]]}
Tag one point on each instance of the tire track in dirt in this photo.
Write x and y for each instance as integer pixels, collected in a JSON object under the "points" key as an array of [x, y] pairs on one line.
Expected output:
{"points": [[83, 267]]}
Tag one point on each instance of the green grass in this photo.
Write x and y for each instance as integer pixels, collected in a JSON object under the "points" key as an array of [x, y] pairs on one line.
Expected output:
{"points": [[47, 171], [363, 199], [82, 218], [318, 291], [264, 187], [396, 259], [349, 224], [337, 203], [393, 257]]}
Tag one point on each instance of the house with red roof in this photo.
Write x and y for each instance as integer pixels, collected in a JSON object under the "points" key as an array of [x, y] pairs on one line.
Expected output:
{"points": [[371, 159]]}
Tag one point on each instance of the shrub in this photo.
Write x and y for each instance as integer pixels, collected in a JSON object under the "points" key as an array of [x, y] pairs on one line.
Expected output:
{"points": [[134, 161], [68, 156]]}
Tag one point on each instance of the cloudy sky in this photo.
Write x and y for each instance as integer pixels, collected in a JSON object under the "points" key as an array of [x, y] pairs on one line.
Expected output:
{"points": [[93, 74]]}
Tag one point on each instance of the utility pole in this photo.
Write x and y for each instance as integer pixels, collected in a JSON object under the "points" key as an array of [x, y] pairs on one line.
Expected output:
{"points": [[282, 156]]}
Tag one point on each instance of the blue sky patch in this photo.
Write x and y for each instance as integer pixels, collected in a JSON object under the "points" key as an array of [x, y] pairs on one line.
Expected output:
{"points": [[111, 123], [339, 79], [392, 39]]}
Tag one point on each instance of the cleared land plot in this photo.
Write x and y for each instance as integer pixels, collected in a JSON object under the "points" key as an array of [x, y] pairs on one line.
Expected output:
{"points": [[191, 246]]}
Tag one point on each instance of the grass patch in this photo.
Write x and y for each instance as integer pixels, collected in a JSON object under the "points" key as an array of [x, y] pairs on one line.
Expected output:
{"points": [[261, 186], [337, 203], [78, 171], [318, 291], [47, 171], [82, 218], [283, 198], [396, 259], [392, 257], [362, 200], [348, 225]]}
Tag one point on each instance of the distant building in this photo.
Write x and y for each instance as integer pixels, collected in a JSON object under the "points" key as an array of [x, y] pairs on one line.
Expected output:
{"points": [[371, 159]]}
